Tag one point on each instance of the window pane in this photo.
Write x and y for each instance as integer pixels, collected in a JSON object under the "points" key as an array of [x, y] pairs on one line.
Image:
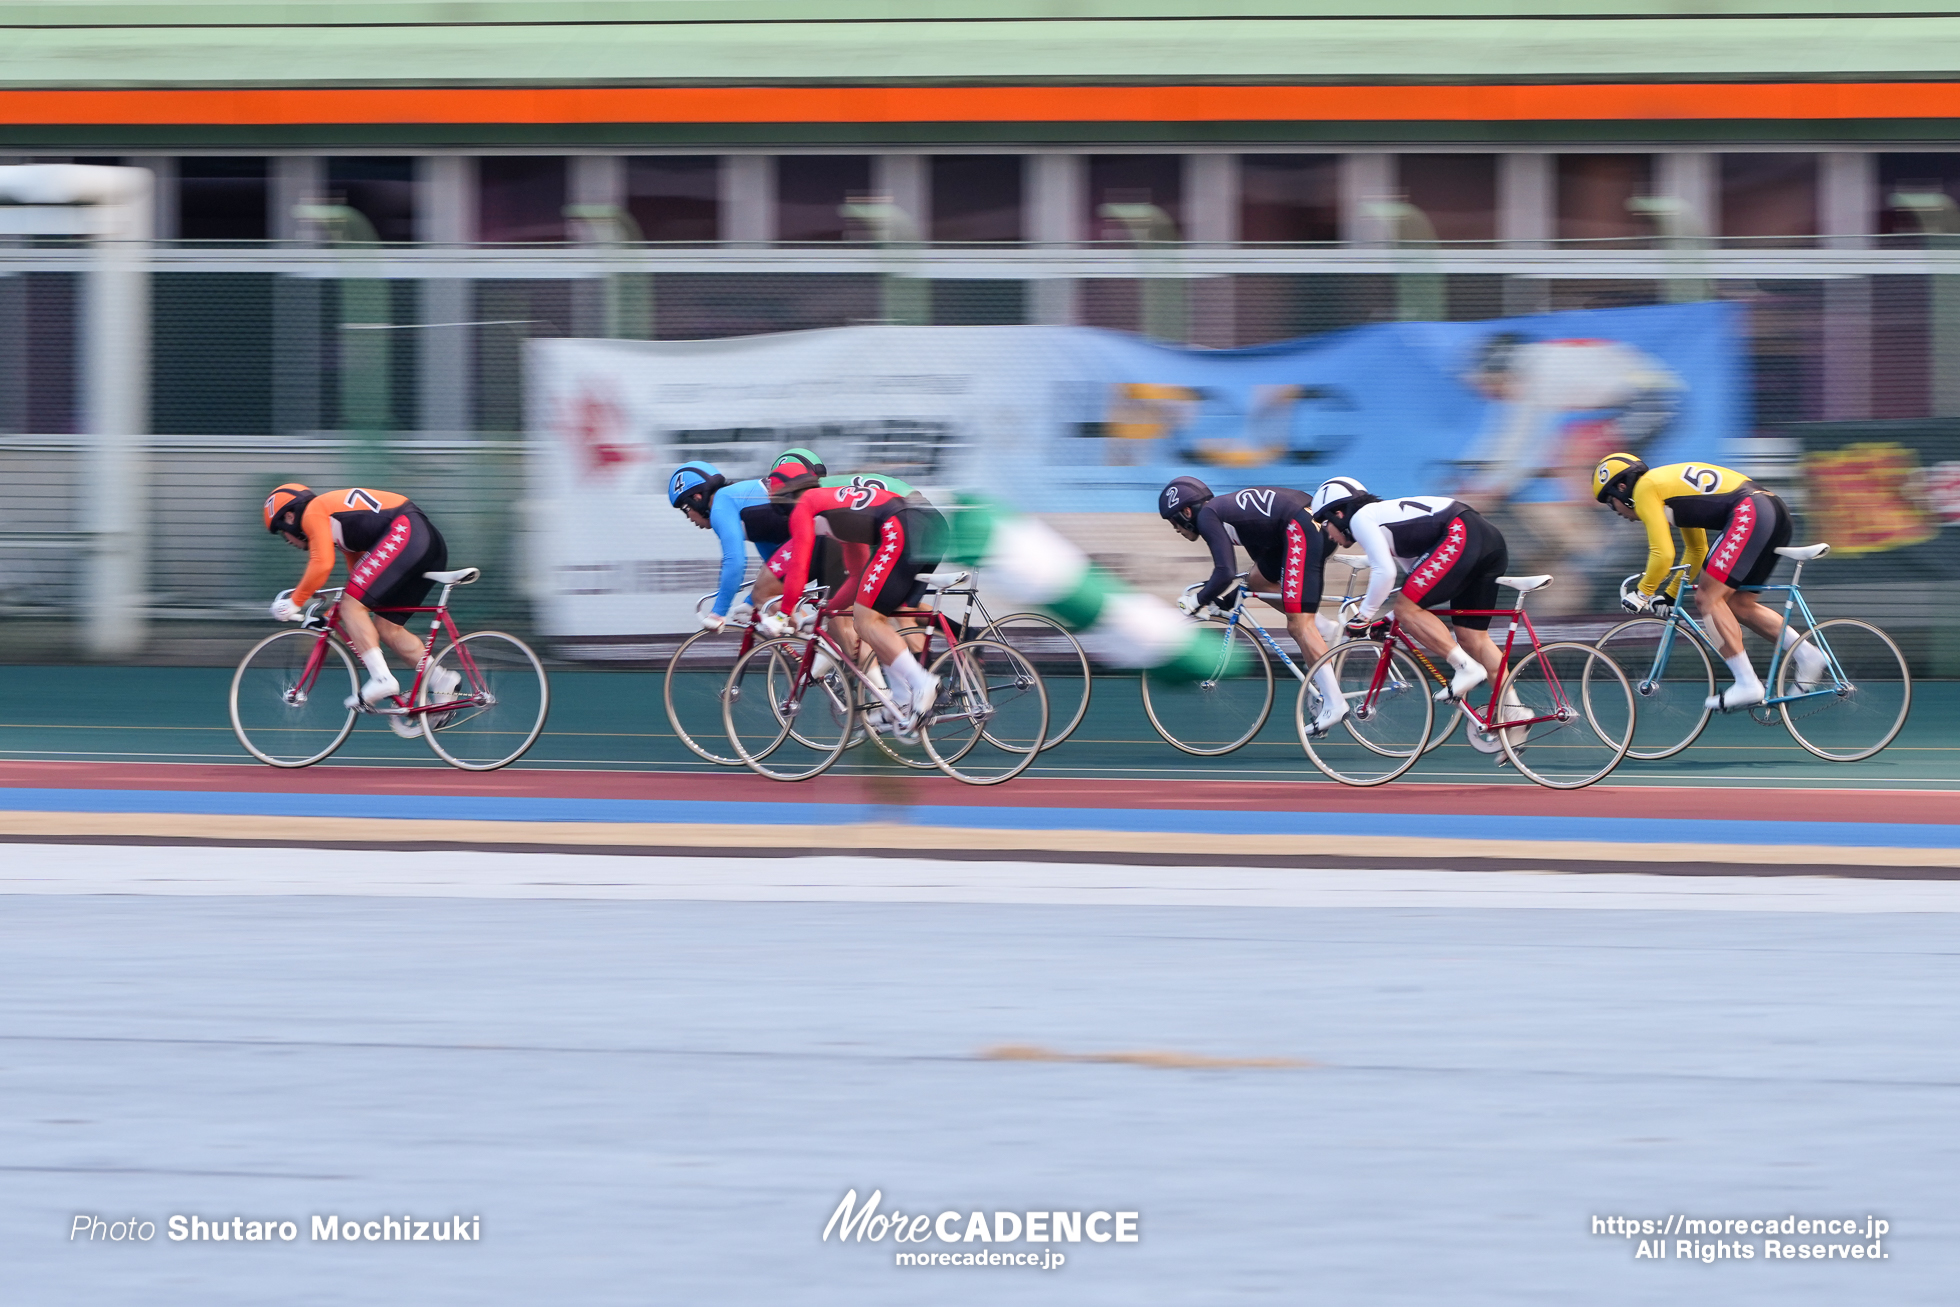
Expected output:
{"points": [[1593, 190], [812, 188], [520, 198], [1769, 195], [1917, 174], [222, 200], [1134, 179], [380, 190], [1456, 192], [675, 198], [1289, 197], [976, 197]]}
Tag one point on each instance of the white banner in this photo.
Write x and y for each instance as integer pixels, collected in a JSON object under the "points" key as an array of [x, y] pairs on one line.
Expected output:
{"points": [[609, 420]]}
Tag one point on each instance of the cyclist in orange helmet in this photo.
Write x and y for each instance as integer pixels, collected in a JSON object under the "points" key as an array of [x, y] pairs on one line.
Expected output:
{"points": [[389, 545]]}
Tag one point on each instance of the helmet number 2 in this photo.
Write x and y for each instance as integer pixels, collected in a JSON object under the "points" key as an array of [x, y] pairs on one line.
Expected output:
{"points": [[362, 499], [1704, 479]]}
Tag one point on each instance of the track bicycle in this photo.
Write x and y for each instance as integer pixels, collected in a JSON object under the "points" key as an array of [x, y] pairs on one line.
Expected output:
{"points": [[697, 673], [1053, 649], [1562, 713], [793, 705], [1856, 707], [297, 694], [1226, 710]]}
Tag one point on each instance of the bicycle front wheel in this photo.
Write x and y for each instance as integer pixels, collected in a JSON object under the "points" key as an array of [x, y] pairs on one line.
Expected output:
{"points": [[289, 698], [1222, 712], [501, 702], [781, 725], [1860, 702], [1062, 662], [1575, 711], [1389, 713], [1670, 690], [991, 717], [696, 676]]}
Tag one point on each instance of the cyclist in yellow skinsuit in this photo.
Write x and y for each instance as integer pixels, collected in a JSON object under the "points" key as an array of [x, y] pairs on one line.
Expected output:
{"points": [[1752, 523]]}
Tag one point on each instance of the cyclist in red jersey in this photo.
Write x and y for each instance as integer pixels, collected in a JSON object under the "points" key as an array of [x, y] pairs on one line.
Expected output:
{"points": [[889, 543]]}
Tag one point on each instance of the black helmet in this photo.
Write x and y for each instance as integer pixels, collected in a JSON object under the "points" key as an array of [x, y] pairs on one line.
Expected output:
{"points": [[1181, 499]]}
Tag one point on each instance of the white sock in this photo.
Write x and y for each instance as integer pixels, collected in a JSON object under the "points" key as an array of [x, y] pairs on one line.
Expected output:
{"points": [[1789, 636], [1330, 688], [1745, 675], [377, 665], [906, 668], [1459, 659]]}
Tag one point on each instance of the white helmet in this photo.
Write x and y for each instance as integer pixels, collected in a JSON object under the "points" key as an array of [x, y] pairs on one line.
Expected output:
{"points": [[1334, 490]]}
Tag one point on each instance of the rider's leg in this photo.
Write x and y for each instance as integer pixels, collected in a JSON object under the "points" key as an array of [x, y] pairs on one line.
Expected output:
{"points": [[361, 633], [1475, 660], [1720, 612]]}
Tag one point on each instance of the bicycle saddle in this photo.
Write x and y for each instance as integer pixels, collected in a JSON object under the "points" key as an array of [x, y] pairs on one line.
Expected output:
{"points": [[461, 576], [1804, 553], [1525, 584]]}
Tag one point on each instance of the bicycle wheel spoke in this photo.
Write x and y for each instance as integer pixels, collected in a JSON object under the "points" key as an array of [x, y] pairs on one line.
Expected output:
{"points": [[1670, 695], [501, 698], [1574, 715], [1389, 714], [696, 676], [782, 725], [991, 717], [1222, 712], [1060, 659], [289, 698], [1861, 694]]}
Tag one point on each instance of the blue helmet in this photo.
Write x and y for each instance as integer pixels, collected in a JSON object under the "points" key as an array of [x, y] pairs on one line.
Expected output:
{"points": [[693, 485]]}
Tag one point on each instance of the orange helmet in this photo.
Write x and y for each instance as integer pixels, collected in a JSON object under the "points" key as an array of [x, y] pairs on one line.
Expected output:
{"points": [[285, 506]]}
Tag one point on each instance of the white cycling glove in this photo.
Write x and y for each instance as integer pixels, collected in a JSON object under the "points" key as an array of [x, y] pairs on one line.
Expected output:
{"points": [[773, 625], [712, 621], [806, 619], [285, 610], [1187, 603]]}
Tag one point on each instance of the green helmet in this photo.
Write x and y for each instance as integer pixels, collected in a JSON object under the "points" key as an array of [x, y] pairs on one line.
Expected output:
{"points": [[807, 457]]}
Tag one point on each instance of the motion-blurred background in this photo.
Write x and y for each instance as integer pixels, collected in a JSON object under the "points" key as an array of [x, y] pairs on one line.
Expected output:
{"points": [[1054, 253]]}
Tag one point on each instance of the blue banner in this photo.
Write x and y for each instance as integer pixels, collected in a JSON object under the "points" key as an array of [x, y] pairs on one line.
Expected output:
{"points": [[1510, 410]]}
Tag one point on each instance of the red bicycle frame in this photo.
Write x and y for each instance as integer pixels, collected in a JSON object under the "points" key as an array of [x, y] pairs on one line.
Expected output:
{"points": [[329, 625], [1561, 706]]}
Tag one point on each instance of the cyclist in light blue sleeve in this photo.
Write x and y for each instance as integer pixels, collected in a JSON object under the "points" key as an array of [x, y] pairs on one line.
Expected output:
{"points": [[738, 513]]}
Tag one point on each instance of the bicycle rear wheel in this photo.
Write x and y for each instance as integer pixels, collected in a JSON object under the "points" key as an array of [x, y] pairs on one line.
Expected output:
{"points": [[501, 702], [1059, 657], [1221, 713], [991, 717], [1670, 698], [289, 698], [1862, 702], [1588, 713], [765, 699], [696, 676], [1386, 725]]}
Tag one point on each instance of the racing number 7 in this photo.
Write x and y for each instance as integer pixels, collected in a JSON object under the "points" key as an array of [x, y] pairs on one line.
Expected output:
{"points": [[362, 499]]}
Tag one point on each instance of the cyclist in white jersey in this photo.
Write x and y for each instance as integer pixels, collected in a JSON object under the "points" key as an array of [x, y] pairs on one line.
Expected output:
{"points": [[1451, 556]]}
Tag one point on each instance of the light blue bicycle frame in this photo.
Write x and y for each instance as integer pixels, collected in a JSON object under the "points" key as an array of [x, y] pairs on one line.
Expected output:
{"points": [[1793, 602]]}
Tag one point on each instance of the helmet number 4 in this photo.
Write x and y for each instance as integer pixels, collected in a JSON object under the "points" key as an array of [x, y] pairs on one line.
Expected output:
{"points": [[1704, 479]]}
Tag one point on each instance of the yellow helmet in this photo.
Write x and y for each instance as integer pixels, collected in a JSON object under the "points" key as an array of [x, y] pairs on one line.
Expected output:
{"points": [[1614, 477]]}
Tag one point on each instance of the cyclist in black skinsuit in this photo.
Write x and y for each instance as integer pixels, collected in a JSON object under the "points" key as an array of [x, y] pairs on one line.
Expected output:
{"points": [[1287, 550]]}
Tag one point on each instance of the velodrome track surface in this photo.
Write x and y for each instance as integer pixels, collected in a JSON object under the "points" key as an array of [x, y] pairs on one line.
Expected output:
{"points": [[1347, 1046]]}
